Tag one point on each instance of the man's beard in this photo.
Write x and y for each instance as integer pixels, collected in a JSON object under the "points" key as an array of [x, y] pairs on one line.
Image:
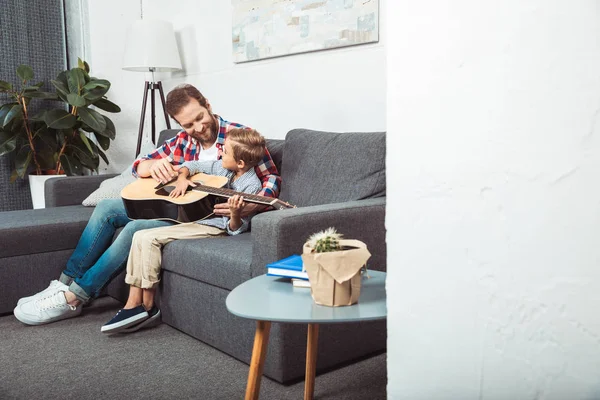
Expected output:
{"points": [[211, 128]]}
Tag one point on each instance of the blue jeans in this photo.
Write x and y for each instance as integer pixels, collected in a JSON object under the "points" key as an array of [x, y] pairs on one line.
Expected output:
{"points": [[97, 259]]}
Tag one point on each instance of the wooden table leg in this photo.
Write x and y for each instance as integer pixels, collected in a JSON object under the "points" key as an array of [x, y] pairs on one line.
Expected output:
{"points": [[311, 360], [259, 353]]}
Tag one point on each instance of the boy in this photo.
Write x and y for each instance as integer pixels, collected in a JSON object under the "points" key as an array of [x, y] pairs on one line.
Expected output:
{"points": [[242, 151]]}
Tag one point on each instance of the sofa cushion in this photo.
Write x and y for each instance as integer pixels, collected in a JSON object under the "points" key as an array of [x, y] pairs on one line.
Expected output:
{"points": [[110, 188], [46, 229], [222, 261], [323, 167], [275, 148]]}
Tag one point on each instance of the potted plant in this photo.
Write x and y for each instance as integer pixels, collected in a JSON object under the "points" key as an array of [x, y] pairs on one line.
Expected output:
{"points": [[333, 267], [57, 140]]}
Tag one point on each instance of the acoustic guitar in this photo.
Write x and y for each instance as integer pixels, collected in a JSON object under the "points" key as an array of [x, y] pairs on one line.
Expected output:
{"points": [[144, 200]]}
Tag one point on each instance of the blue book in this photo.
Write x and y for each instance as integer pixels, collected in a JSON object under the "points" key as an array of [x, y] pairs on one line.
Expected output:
{"points": [[289, 267]]}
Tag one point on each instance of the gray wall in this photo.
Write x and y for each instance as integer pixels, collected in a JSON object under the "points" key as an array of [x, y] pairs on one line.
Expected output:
{"points": [[32, 33]]}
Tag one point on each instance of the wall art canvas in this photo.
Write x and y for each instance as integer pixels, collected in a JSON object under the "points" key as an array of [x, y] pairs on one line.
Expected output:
{"points": [[273, 28]]}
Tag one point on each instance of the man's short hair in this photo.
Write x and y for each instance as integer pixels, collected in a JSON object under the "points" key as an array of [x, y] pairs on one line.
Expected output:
{"points": [[248, 145], [180, 97]]}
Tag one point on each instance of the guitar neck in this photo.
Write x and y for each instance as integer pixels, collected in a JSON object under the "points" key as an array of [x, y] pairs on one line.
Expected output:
{"points": [[251, 198]]}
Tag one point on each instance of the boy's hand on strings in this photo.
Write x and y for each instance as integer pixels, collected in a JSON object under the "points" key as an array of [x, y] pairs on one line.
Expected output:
{"points": [[181, 187]]}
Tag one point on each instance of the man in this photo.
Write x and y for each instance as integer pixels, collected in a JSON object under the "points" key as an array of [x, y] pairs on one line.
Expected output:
{"points": [[96, 261]]}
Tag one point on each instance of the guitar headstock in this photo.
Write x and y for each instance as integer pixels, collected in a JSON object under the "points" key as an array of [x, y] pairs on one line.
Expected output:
{"points": [[282, 205]]}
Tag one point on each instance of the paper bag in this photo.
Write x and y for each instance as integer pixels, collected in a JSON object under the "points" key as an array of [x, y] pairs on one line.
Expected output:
{"points": [[335, 276]]}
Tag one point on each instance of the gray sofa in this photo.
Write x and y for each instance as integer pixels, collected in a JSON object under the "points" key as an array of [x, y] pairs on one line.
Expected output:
{"points": [[335, 179]]}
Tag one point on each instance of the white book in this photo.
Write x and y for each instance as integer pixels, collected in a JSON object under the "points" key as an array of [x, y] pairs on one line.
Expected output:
{"points": [[286, 273], [300, 283]]}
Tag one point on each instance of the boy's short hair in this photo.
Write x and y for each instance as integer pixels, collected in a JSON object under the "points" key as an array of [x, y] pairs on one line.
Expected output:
{"points": [[248, 145]]}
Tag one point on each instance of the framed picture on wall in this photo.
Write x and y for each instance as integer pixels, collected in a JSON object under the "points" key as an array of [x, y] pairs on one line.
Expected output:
{"points": [[273, 28]]}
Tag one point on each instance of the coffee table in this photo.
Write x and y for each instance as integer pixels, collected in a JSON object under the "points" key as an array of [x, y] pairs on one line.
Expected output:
{"points": [[269, 299]]}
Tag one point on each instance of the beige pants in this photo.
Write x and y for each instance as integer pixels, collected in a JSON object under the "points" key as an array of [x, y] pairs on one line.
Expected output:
{"points": [[143, 266]]}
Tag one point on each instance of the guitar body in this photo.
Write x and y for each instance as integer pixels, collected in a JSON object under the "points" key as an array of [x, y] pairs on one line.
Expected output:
{"points": [[143, 201]]}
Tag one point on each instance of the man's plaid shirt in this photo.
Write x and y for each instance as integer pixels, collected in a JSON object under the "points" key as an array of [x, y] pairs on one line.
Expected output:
{"points": [[183, 147]]}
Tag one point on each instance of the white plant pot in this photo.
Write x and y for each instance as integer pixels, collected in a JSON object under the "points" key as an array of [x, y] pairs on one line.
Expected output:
{"points": [[36, 187]]}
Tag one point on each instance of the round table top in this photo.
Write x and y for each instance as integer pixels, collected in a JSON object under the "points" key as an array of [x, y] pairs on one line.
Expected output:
{"points": [[275, 299]]}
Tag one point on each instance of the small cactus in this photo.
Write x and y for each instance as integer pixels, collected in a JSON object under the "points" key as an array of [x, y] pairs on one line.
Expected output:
{"points": [[325, 241]]}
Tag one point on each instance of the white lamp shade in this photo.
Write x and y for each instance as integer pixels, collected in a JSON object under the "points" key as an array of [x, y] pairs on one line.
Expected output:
{"points": [[151, 44]]}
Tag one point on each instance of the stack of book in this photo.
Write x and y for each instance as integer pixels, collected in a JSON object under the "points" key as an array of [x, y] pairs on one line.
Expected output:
{"points": [[289, 267]]}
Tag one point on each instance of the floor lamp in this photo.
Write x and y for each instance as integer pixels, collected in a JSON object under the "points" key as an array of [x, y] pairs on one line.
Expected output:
{"points": [[151, 47]]}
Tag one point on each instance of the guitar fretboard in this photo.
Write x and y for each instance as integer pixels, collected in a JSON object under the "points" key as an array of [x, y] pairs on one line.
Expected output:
{"points": [[253, 198]]}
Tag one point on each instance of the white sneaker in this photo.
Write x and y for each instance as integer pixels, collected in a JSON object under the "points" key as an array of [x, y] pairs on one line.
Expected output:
{"points": [[54, 287], [50, 308]]}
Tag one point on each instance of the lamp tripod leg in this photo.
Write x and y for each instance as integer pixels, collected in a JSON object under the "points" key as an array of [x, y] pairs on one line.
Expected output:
{"points": [[162, 100], [152, 111], [142, 117]]}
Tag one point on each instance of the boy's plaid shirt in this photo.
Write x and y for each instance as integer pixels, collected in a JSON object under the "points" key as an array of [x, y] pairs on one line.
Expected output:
{"points": [[183, 148]]}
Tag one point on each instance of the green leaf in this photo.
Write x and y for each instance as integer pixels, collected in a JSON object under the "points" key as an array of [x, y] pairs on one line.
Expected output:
{"points": [[103, 141], [60, 86], [62, 96], [13, 176], [83, 156], [59, 119], [22, 160], [101, 154], [93, 119], [39, 116], [8, 142], [3, 111], [103, 83], [71, 165], [14, 112], [86, 141], [110, 130], [42, 95], [16, 124], [61, 136], [25, 72], [107, 105], [76, 80], [4, 86], [48, 138], [84, 66], [76, 100], [45, 156], [86, 77], [63, 77], [95, 94]]}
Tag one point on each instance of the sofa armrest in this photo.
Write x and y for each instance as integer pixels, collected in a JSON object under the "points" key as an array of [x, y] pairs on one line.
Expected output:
{"points": [[71, 190], [279, 234]]}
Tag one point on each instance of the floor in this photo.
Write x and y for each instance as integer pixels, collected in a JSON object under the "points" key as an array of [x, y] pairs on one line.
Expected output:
{"points": [[72, 359]]}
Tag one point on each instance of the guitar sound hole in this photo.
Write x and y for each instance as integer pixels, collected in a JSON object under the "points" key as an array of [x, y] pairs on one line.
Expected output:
{"points": [[165, 191]]}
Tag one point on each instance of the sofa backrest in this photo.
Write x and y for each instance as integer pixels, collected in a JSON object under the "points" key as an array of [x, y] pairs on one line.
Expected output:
{"points": [[166, 134], [325, 167], [275, 146]]}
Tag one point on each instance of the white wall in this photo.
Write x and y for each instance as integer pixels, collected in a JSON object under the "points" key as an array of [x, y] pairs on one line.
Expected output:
{"points": [[337, 90], [494, 171]]}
